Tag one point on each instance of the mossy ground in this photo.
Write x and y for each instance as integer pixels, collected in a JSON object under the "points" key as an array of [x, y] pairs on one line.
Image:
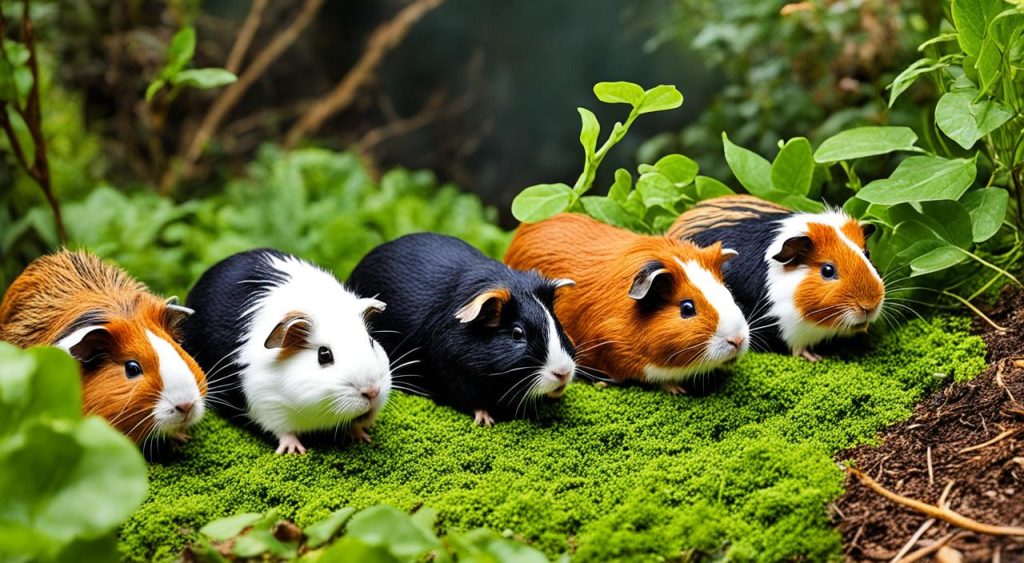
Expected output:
{"points": [[625, 473]]}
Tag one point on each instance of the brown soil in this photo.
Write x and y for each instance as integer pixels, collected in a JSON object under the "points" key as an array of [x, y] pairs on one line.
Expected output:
{"points": [[987, 482]]}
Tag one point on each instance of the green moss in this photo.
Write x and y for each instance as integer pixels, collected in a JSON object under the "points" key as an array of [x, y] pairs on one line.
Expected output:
{"points": [[617, 472]]}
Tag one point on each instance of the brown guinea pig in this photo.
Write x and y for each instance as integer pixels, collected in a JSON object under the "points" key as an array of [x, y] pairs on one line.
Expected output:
{"points": [[645, 308], [134, 373], [808, 273]]}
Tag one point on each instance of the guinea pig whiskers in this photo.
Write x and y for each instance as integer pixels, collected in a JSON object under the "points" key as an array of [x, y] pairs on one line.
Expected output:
{"points": [[592, 347], [523, 401], [403, 356], [409, 363], [146, 418], [517, 384], [592, 373]]}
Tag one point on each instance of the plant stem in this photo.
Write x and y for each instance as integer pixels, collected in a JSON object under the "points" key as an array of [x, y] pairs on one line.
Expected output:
{"points": [[987, 264], [975, 310], [586, 178]]}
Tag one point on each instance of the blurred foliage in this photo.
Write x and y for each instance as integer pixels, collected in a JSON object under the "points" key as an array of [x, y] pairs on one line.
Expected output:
{"points": [[67, 482]]}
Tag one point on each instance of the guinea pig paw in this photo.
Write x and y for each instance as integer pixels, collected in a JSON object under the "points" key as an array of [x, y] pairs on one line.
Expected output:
{"points": [[361, 435], [807, 354], [482, 418], [674, 388], [180, 437], [289, 444]]}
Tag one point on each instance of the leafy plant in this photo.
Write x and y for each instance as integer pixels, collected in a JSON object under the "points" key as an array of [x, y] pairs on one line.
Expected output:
{"points": [[175, 75], [67, 482], [378, 534]]}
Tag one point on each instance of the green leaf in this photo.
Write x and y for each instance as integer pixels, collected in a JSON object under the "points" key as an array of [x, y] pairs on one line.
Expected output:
{"points": [[353, 549], [203, 78], [708, 188], [17, 53], [987, 208], [660, 98], [180, 52], [909, 75], [971, 18], [623, 184], [40, 383], [611, 212], [922, 178], [227, 528], [540, 202], [679, 169], [936, 260], [989, 63], [389, 527], [483, 545], [941, 38], [656, 189], [154, 87], [589, 132], [865, 141], [750, 168], [945, 220], [965, 121], [619, 93], [319, 533], [793, 167]]}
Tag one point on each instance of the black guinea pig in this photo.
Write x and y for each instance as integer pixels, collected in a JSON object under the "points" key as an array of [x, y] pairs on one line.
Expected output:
{"points": [[481, 336]]}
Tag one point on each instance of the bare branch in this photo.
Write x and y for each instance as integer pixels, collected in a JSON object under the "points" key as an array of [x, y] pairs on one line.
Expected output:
{"points": [[245, 35]]}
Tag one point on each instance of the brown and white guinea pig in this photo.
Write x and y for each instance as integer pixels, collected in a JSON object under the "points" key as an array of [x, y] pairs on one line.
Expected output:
{"points": [[645, 308], [808, 272], [134, 372]]}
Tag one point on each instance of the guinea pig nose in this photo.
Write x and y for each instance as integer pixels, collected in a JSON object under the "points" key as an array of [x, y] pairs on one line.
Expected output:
{"points": [[371, 393], [184, 408], [562, 376], [736, 341]]}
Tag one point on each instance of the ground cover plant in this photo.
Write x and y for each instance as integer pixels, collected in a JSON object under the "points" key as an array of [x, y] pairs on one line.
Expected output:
{"points": [[610, 472]]}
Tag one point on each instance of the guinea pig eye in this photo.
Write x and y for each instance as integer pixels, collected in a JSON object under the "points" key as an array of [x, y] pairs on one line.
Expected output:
{"points": [[132, 369], [517, 334], [325, 356], [687, 309], [828, 271]]}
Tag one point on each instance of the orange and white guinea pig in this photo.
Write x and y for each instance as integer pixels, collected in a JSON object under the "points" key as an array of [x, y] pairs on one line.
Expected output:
{"points": [[808, 272], [134, 372], [645, 308]]}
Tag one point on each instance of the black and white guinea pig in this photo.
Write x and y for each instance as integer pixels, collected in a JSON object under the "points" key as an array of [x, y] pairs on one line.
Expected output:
{"points": [[482, 335], [808, 272], [287, 344]]}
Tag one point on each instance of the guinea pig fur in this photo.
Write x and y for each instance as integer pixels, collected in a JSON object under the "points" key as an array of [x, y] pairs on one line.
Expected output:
{"points": [[807, 272], [134, 373], [480, 337], [285, 343], [645, 308]]}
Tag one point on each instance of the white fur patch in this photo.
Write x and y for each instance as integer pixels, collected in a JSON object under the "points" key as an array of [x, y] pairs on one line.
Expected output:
{"points": [[296, 394], [558, 360], [179, 387]]}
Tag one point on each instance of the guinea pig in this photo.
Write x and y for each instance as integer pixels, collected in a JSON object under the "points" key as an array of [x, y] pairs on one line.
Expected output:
{"points": [[286, 344], [808, 272], [482, 337], [134, 372], [645, 308]]}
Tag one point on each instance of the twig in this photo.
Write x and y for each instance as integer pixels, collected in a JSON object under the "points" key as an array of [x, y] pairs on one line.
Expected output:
{"points": [[931, 474], [382, 41], [224, 103], [927, 550], [944, 514], [999, 377], [1001, 436], [245, 35], [975, 310], [913, 540]]}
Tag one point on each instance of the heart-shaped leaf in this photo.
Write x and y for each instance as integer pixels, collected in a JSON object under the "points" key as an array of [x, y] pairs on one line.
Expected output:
{"points": [[540, 202]]}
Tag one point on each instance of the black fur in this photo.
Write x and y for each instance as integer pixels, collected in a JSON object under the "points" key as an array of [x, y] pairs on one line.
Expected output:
{"points": [[425, 279], [220, 299], [746, 275]]}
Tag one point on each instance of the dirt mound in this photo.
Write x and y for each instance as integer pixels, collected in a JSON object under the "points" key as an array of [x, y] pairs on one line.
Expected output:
{"points": [[968, 437]]}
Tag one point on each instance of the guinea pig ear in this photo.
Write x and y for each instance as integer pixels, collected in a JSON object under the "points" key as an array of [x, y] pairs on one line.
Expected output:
{"points": [[485, 307], [645, 278], [292, 332], [372, 306], [86, 343], [564, 282], [794, 250], [728, 254], [176, 313], [869, 229]]}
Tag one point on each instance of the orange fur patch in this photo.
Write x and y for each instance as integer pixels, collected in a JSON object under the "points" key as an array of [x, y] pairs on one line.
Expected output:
{"points": [[824, 301], [615, 334]]}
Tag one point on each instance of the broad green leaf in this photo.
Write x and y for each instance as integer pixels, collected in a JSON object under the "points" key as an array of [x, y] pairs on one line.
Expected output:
{"points": [[609, 211], [865, 141], [971, 18], [796, 202], [540, 202], [989, 63], [355, 550], [909, 75], [793, 167], [483, 545], [17, 53], [679, 169], [946, 220], [656, 189], [227, 528], [660, 98], [154, 87], [922, 178], [623, 184], [589, 131], [37, 383], [750, 168], [936, 260], [619, 93], [965, 121], [389, 527], [203, 78], [319, 533], [260, 541], [708, 188], [180, 52], [988, 209]]}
